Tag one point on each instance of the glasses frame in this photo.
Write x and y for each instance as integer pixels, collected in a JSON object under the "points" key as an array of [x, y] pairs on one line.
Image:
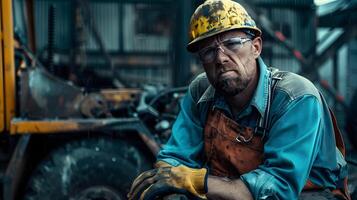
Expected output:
{"points": [[221, 45]]}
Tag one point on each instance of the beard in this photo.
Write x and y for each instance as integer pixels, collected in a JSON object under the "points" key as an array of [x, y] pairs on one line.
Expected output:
{"points": [[229, 87], [232, 85]]}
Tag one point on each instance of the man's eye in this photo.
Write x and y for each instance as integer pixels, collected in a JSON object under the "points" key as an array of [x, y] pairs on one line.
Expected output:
{"points": [[209, 52], [233, 44]]}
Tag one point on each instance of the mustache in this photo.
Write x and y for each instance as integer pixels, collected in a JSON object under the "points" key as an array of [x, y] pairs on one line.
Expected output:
{"points": [[227, 70], [223, 82], [226, 67]]}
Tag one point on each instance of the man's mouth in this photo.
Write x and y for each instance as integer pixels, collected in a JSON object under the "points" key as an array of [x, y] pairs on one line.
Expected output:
{"points": [[227, 75]]}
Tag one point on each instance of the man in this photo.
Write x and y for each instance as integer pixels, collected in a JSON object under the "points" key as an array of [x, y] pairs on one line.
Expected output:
{"points": [[245, 131]]}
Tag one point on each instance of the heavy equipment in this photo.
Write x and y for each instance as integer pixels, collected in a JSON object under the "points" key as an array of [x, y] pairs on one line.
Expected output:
{"points": [[61, 141]]}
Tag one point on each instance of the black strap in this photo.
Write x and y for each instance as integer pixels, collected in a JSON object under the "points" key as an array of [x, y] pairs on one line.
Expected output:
{"points": [[263, 122]]}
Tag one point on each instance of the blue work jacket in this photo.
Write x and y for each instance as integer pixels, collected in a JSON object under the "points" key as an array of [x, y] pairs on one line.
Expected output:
{"points": [[299, 144]]}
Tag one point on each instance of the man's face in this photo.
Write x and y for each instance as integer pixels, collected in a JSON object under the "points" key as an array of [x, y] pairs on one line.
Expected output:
{"points": [[230, 70]]}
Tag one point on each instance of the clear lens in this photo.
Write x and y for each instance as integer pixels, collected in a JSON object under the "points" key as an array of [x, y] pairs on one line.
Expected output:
{"points": [[231, 45], [207, 53]]}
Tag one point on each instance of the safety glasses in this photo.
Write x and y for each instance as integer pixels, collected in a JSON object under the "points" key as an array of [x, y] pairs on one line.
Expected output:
{"points": [[228, 46]]}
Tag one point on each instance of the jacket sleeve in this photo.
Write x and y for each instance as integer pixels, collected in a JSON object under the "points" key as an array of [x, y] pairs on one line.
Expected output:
{"points": [[185, 145], [290, 149]]}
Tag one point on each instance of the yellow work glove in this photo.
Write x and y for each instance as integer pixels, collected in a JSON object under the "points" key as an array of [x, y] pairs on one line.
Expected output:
{"points": [[167, 179], [162, 164]]}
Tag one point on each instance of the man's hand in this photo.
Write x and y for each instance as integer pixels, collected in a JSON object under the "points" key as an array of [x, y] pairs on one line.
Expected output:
{"points": [[168, 180], [141, 183]]}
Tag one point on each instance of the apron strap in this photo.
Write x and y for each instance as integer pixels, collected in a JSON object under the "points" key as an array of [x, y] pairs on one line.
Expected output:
{"points": [[263, 122]]}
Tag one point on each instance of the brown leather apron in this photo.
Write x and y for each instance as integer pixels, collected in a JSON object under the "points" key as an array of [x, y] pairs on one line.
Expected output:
{"points": [[232, 149]]}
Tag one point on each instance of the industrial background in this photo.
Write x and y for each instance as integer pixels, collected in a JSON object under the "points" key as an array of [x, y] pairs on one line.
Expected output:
{"points": [[91, 51]]}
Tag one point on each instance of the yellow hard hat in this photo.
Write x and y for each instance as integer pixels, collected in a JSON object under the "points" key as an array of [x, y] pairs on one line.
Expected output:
{"points": [[216, 16]]}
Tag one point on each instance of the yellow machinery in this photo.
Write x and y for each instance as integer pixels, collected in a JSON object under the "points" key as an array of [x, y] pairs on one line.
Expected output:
{"points": [[7, 71], [59, 142]]}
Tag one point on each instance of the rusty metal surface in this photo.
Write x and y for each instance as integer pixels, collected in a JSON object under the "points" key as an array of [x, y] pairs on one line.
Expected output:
{"points": [[94, 106], [46, 126], [120, 95], [46, 96], [43, 95]]}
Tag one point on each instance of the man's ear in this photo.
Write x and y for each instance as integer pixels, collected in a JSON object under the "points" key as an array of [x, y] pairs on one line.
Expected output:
{"points": [[257, 46]]}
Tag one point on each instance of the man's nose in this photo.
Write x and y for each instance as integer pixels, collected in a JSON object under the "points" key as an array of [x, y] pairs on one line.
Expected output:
{"points": [[221, 56]]}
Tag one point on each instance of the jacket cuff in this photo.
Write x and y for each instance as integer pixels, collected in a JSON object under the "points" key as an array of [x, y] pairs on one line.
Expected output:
{"points": [[169, 161], [260, 184]]}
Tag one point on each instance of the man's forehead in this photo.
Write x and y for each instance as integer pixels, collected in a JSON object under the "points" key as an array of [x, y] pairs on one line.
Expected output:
{"points": [[230, 34], [221, 36]]}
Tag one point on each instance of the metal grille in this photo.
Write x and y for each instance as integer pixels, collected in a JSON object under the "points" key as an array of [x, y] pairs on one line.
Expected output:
{"points": [[107, 21], [298, 26], [133, 28]]}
